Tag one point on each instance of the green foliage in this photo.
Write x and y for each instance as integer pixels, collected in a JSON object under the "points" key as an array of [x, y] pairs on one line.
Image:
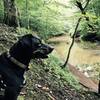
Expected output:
{"points": [[92, 13], [1, 10], [42, 16], [45, 17], [94, 21], [63, 74], [23, 31], [94, 7]]}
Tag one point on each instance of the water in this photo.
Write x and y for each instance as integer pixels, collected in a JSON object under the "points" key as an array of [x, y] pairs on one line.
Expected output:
{"points": [[78, 55]]}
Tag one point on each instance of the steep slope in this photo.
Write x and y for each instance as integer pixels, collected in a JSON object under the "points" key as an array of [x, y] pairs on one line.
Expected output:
{"points": [[45, 79]]}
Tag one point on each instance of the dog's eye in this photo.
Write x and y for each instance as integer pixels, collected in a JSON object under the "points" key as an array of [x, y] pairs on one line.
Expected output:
{"points": [[39, 45]]}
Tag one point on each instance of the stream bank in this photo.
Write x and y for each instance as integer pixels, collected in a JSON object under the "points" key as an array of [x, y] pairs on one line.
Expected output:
{"points": [[87, 59]]}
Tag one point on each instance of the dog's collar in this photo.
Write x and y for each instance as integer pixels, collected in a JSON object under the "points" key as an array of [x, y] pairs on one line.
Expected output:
{"points": [[15, 61]]}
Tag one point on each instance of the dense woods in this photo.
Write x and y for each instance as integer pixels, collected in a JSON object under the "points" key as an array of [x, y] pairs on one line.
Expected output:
{"points": [[49, 17]]}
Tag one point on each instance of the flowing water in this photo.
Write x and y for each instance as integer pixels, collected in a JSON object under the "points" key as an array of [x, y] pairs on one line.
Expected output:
{"points": [[78, 54]]}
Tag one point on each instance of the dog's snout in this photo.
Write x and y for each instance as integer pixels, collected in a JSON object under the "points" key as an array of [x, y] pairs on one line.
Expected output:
{"points": [[43, 51], [51, 49], [47, 48]]}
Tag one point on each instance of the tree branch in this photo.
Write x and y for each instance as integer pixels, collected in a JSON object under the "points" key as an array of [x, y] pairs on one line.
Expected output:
{"points": [[77, 25], [73, 38]]}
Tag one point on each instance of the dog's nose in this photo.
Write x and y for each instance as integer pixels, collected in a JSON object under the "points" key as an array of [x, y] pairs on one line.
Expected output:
{"points": [[51, 49]]}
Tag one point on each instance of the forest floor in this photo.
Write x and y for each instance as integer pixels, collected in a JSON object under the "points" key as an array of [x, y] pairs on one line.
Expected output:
{"points": [[43, 81]]}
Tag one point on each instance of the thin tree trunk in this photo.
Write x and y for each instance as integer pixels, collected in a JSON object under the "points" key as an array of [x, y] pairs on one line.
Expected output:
{"points": [[82, 9], [10, 13]]}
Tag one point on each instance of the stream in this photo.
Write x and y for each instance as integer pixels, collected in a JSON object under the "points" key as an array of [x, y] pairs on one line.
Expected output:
{"points": [[79, 56]]}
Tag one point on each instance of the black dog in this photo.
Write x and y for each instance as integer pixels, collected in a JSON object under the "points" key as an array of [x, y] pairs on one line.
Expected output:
{"points": [[14, 63]]}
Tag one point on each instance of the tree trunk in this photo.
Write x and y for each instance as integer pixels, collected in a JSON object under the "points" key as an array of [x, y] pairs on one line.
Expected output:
{"points": [[10, 13]]}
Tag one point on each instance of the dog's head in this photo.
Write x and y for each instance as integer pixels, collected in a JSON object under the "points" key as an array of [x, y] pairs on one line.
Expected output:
{"points": [[35, 46]]}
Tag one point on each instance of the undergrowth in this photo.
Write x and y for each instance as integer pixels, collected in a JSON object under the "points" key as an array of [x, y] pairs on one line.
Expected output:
{"points": [[47, 73]]}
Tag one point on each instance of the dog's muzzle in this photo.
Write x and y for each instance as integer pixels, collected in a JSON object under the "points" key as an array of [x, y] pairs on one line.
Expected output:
{"points": [[43, 51]]}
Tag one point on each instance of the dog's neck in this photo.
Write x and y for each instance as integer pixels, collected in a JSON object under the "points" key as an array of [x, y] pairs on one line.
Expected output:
{"points": [[21, 54]]}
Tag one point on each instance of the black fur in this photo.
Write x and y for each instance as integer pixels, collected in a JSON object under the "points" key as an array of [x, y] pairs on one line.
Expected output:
{"points": [[28, 47]]}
